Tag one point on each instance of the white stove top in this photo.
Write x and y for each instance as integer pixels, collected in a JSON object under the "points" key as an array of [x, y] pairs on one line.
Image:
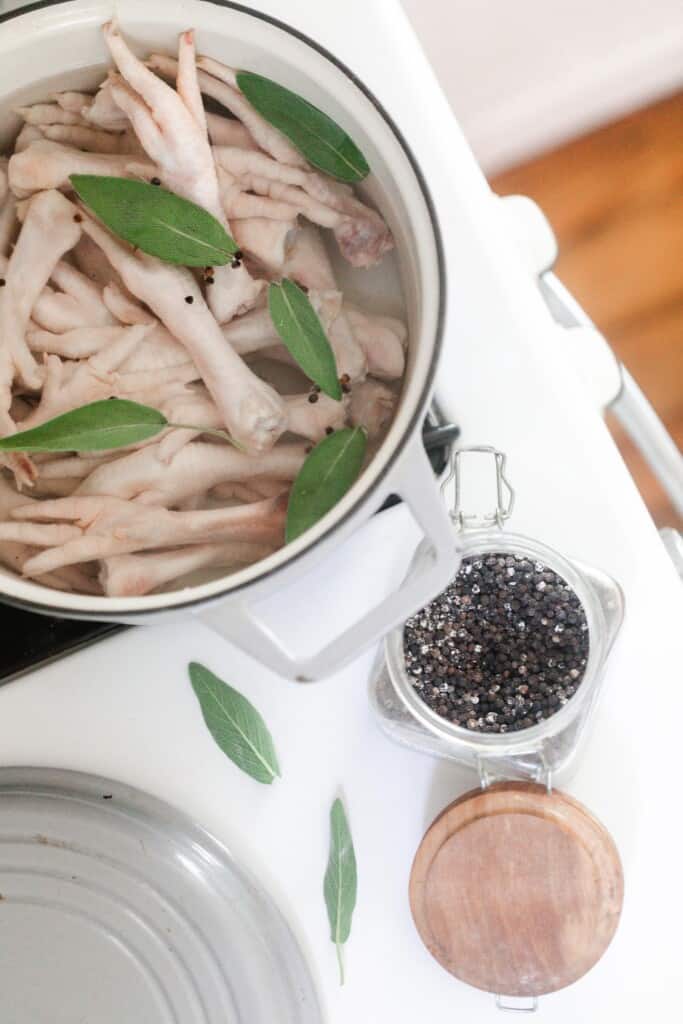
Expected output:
{"points": [[126, 709]]}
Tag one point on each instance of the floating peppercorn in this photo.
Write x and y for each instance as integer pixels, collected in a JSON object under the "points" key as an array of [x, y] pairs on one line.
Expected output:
{"points": [[189, 299], [313, 397], [502, 648], [155, 181]]}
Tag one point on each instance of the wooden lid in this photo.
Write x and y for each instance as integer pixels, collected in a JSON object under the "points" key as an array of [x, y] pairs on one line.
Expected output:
{"points": [[516, 890]]}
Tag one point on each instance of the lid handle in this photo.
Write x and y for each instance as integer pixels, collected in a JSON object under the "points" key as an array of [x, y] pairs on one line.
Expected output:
{"points": [[505, 495]]}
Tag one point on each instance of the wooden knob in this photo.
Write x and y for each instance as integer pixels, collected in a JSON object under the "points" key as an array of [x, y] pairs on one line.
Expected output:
{"points": [[516, 890]]}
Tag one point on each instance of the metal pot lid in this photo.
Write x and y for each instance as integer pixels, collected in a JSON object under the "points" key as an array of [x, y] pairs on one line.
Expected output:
{"points": [[516, 890], [115, 907]]}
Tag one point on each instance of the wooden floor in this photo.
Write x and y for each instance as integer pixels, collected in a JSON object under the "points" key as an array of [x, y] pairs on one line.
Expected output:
{"points": [[615, 200]]}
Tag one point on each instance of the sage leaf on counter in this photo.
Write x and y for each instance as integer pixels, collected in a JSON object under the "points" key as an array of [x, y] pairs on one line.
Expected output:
{"points": [[303, 335], [110, 423], [157, 221], [324, 144], [325, 477], [236, 725], [341, 881]]}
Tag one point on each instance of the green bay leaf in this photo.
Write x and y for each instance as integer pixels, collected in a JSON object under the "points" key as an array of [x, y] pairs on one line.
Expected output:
{"points": [[321, 140], [303, 335], [98, 426], [235, 724], [325, 477], [341, 881], [156, 221]]}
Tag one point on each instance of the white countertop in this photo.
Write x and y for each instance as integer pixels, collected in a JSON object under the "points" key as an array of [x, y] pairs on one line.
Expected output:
{"points": [[126, 709]]}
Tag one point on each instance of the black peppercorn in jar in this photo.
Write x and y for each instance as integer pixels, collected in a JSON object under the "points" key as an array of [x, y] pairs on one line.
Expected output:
{"points": [[528, 727], [502, 648], [501, 670]]}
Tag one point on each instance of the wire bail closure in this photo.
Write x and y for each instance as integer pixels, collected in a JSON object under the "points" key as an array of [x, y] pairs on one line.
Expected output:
{"points": [[517, 1004], [505, 495]]}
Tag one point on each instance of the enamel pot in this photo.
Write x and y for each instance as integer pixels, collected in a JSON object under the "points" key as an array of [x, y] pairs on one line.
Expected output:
{"points": [[59, 46]]}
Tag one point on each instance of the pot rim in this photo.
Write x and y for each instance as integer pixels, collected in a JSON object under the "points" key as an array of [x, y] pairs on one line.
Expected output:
{"points": [[136, 612]]}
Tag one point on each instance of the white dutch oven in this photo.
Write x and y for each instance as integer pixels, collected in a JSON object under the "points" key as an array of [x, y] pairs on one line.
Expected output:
{"points": [[59, 45]]}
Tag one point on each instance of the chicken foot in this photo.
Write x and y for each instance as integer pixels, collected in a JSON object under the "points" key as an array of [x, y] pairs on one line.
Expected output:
{"points": [[251, 410], [199, 466], [171, 127], [45, 164], [360, 231], [218, 82], [70, 385], [135, 575], [311, 415], [93, 528]]}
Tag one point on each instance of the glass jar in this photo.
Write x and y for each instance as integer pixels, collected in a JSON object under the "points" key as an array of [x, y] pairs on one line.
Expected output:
{"points": [[497, 872], [542, 750]]}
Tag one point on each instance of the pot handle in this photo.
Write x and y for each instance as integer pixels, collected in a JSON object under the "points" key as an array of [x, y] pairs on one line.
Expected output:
{"points": [[417, 486]]}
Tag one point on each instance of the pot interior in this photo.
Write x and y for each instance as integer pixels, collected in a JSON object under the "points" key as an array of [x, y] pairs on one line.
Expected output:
{"points": [[61, 47]]}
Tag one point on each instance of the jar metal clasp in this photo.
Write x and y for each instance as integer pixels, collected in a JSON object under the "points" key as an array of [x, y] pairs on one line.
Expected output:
{"points": [[532, 765], [505, 495], [518, 1004]]}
